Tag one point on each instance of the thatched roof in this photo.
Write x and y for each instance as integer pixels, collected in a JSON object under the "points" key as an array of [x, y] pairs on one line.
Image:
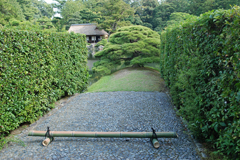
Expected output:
{"points": [[87, 29]]}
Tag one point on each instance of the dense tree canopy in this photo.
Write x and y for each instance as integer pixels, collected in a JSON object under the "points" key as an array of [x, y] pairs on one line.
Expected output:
{"points": [[26, 14], [198, 7], [155, 14], [45, 9], [10, 9], [108, 14], [134, 45], [177, 17], [113, 11], [162, 15], [71, 9]]}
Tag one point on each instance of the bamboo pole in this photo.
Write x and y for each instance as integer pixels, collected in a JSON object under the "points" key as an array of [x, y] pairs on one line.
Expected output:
{"points": [[155, 143], [46, 142], [104, 134]]}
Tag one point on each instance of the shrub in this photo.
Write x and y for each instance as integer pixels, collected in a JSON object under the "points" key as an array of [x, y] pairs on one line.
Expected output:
{"points": [[135, 45], [36, 69], [200, 62]]}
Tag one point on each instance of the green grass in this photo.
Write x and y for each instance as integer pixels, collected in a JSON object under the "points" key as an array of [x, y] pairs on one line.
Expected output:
{"points": [[130, 79], [4, 141], [154, 66]]}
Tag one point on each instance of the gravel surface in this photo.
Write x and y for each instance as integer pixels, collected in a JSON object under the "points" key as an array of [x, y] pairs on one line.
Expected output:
{"points": [[108, 111]]}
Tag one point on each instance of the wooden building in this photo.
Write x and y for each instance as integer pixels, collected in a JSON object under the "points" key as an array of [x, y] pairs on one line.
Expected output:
{"points": [[93, 34]]}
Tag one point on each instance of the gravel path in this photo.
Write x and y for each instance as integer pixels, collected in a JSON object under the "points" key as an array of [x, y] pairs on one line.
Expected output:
{"points": [[109, 111]]}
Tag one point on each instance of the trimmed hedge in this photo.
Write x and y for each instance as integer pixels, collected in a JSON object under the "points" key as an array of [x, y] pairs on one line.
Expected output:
{"points": [[37, 69], [200, 62]]}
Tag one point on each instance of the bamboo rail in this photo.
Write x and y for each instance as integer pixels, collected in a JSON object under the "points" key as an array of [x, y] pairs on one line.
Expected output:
{"points": [[104, 134], [51, 134]]}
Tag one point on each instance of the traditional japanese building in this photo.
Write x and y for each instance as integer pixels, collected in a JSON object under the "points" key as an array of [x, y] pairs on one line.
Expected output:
{"points": [[93, 34]]}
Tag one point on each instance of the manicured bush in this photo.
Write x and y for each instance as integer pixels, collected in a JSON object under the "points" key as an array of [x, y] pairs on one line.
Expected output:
{"points": [[36, 69], [135, 45], [200, 62]]}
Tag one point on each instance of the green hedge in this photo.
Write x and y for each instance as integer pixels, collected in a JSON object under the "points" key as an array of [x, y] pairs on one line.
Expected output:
{"points": [[36, 69], [200, 62]]}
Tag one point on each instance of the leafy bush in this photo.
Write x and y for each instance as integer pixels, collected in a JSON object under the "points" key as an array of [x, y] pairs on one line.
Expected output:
{"points": [[37, 69], [103, 42], [43, 24], [135, 45], [200, 62]]}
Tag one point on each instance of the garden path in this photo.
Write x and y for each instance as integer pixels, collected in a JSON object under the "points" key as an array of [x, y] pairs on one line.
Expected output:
{"points": [[125, 111]]}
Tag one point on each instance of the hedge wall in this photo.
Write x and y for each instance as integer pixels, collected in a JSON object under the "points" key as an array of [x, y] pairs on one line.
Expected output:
{"points": [[200, 62], [36, 69]]}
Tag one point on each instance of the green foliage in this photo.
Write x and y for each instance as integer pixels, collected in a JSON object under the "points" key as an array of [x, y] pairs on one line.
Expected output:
{"points": [[113, 14], [58, 24], [198, 7], [156, 15], [60, 4], [177, 17], [70, 10], [9, 9], [43, 24], [75, 18], [44, 8], [135, 45], [147, 12], [200, 62], [134, 79], [103, 42], [83, 16], [162, 15], [108, 14], [180, 5], [5, 140], [114, 11], [26, 14], [28, 8], [89, 16], [36, 70]]}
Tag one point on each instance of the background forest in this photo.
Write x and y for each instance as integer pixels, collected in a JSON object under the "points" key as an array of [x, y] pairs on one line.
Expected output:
{"points": [[108, 14]]}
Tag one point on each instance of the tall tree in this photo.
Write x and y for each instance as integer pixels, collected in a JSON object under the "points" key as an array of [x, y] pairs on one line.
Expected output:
{"points": [[180, 5], [45, 23], [198, 7], [161, 15], [58, 24], [89, 16], [75, 18], [94, 5], [148, 7], [144, 9], [10, 9], [113, 12], [44, 8], [70, 8], [59, 5], [177, 17], [29, 10]]}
